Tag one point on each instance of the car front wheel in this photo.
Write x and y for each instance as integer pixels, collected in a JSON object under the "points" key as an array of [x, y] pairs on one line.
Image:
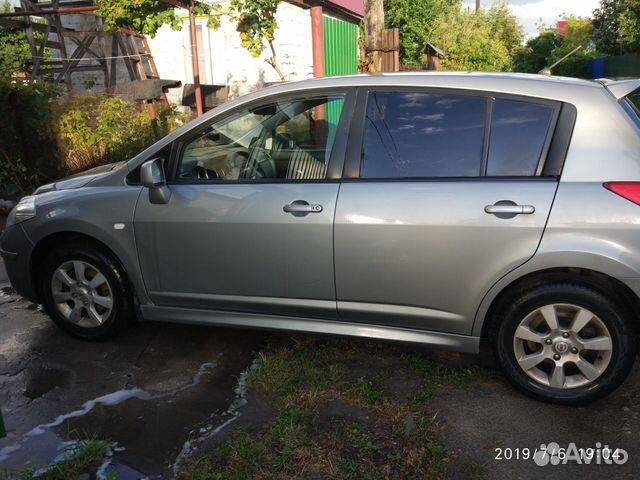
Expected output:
{"points": [[566, 343], [85, 291]]}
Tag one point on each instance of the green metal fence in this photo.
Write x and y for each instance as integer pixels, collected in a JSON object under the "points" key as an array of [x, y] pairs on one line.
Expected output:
{"points": [[622, 66], [340, 57], [617, 67], [340, 47]]}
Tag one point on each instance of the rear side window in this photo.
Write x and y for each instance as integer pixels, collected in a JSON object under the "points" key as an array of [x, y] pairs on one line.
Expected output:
{"points": [[631, 104], [518, 136], [423, 135]]}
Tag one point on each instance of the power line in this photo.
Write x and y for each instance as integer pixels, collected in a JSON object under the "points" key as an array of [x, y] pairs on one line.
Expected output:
{"points": [[61, 59]]}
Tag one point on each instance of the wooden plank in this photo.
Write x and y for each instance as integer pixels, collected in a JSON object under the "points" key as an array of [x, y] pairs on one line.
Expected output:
{"points": [[136, 52], [127, 60], [79, 34], [70, 65]]}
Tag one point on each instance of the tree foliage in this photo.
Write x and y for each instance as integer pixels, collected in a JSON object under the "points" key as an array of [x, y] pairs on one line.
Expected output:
{"points": [[416, 20], [617, 26], [28, 154], [256, 22], [15, 54], [550, 46], [147, 16], [484, 41]]}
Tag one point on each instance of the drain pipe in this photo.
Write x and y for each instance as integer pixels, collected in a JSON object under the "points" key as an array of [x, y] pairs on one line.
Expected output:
{"points": [[194, 60], [317, 41]]}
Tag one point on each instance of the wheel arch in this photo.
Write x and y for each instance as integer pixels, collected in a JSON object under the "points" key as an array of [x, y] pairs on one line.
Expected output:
{"points": [[595, 279], [53, 240]]}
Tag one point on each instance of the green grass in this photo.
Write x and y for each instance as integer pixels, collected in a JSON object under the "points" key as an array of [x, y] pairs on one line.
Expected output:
{"points": [[473, 471], [379, 389], [370, 391], [85, 456]]}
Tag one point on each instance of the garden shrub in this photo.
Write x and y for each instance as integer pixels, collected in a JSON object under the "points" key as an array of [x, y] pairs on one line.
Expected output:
{"points": [[97, 130], [28, 151]]}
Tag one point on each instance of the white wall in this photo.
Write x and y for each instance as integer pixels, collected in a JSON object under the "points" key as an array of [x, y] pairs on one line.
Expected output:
{"points": [[228, 63]]}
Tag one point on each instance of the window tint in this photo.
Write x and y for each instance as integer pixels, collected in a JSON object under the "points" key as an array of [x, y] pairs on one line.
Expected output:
{"points": [[631, 104], [288, 140], [423, 135], [518, 134]]}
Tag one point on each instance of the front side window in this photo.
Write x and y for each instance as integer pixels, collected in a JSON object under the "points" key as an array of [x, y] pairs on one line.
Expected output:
{"points": [[423, 135], [518, 136], [287, 140]]}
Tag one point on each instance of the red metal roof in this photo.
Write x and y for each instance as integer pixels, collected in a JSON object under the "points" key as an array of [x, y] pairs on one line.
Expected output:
{"points": [[355, 6]]}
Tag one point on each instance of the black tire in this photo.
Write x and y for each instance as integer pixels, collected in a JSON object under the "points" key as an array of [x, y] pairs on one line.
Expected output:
{"points": [[104, 261], [610, 310]]}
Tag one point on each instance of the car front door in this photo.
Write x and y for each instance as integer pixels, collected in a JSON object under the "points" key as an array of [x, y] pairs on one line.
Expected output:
{"points": [[447, 193], [249, 224]]}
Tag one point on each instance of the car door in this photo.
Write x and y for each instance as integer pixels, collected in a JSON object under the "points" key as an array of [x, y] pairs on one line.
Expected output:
{"points": [[249, 225], [445, 192]]}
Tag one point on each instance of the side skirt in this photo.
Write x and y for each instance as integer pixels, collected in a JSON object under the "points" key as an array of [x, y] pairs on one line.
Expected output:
{"points": [[444, 341]]}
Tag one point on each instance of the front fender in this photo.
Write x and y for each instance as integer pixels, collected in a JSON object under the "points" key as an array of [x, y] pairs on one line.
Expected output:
{"points": [[103, 213]]}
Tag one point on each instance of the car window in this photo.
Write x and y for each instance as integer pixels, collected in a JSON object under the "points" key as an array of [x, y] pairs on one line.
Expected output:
{"points": [[423, 135], [289, 140], [631, 104], [518, 134]]}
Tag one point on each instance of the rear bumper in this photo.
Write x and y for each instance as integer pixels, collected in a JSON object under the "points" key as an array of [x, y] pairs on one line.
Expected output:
{"points": [[16, 249]]}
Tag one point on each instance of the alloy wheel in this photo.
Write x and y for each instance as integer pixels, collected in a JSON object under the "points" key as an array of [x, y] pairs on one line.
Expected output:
{"points": [[82, 294], [562, 346]]}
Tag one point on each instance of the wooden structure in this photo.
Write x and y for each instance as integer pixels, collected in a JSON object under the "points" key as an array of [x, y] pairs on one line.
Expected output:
{"points": [[390, 50], [434, 54], [388, 53], [79, 50]]}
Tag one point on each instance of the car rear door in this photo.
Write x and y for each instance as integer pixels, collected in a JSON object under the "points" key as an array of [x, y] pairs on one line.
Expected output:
{"points": [[444, 193], [249, 225]]}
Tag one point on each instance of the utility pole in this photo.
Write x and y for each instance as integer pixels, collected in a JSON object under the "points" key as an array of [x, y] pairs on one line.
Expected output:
{"points": [[373, 28], [477, 6]]}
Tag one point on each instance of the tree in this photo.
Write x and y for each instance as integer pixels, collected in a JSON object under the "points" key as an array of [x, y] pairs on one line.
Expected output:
{"points": [[373, 28], [617, 26], [255, 19], [257, 23], [535, 55], [416, 20], [550, 46], [630, 25], [485, 41], [15, 54]]}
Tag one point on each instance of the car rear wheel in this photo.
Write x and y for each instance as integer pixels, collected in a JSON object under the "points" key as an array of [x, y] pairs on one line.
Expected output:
{"points": [[566, 343], [85, 291]]}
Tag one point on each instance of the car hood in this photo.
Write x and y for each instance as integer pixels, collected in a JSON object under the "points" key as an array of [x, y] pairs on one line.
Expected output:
{"points": [[79, 180]]}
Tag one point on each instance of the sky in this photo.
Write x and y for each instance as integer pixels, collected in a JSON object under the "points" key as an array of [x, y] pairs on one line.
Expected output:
{"points": [[530, 12]]}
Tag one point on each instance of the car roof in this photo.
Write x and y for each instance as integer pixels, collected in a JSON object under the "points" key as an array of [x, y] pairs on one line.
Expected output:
{"points": [[564, 89]]}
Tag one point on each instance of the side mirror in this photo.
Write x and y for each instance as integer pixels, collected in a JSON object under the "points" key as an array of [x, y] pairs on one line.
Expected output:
{"points": [[152, 177]]}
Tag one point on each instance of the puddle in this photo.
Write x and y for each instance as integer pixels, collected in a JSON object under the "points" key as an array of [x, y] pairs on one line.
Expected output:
{"points": [[42, 380], [152, 426]]}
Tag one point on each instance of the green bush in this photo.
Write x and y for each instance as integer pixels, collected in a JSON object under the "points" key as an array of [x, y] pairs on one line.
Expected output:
{"points": [[28, 151], [96, 130]]}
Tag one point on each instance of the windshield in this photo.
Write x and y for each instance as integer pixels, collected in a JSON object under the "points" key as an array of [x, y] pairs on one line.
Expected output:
{"points": [[631, 104]]}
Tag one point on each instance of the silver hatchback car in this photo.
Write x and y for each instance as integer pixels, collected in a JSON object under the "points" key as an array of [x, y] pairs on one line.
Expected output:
{"points": [[444, 209]]}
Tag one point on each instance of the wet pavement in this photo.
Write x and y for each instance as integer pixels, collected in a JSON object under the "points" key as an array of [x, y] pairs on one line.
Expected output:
{"points": [[151, 390], [160, 390]]}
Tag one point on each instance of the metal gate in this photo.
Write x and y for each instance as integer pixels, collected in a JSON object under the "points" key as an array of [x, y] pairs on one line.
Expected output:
{"points": [[340, 57], [340, 47]]}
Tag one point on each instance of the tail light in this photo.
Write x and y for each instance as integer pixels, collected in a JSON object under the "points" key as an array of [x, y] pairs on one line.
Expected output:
{"points": [[627, 190]]}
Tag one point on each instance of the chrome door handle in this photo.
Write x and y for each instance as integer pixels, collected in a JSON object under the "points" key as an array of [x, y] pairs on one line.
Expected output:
{"points": [[302, 207], [510, 209]]}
